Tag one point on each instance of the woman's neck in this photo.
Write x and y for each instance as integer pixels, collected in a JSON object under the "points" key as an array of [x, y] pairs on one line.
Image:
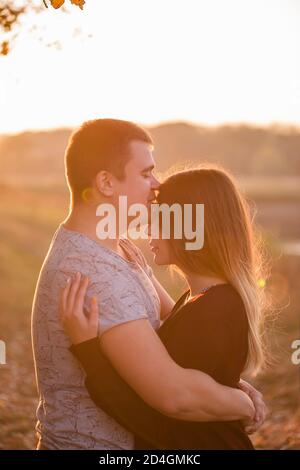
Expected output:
{"points": [[199, 283]]}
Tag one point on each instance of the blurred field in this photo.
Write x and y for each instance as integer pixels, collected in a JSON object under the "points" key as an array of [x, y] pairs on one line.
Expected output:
{"points": [[28, 221]]}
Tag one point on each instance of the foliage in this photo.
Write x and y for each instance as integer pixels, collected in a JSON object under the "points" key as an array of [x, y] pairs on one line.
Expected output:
{"points": [[11, 13]]}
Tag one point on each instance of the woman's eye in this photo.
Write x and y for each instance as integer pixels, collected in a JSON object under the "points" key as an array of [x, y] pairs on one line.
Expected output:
{"points": [[146, 176]]}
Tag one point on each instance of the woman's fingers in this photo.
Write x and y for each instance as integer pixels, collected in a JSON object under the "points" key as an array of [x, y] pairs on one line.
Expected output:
{"points": [[80, 295], [63, 299], [260, 409], [94, 311], [78, 326], [94, 314], [73, 291], [72, 297]]}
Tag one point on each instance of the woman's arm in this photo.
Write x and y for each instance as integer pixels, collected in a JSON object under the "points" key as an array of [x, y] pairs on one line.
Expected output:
{"points": [[166, 301], [141, 359]]}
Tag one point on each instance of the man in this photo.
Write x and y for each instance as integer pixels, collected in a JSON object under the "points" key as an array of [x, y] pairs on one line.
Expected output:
{"points": [[106, 159]]}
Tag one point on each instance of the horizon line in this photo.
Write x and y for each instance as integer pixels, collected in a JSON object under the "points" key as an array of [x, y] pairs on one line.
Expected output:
{"points": [[242, 123]]}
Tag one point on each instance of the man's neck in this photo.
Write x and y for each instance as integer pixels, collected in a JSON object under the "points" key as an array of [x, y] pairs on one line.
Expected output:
{"points": [[83, 219]]}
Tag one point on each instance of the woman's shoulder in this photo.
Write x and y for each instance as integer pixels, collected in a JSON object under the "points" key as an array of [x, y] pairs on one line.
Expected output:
{"points": [[221, 303]]}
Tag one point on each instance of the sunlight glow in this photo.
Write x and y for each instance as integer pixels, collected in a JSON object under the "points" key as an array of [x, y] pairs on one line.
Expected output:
{"points": [[151, 60]]}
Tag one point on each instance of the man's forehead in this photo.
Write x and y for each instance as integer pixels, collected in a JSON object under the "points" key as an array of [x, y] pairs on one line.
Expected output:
{"points": [[141, 152], [140, 146]]}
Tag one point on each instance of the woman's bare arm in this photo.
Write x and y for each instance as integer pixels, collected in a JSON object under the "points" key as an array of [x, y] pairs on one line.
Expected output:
{"points": [[166, 301]]}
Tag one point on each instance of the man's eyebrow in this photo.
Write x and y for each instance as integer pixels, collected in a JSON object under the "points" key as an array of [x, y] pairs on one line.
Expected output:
{"points": [[149, 168]]}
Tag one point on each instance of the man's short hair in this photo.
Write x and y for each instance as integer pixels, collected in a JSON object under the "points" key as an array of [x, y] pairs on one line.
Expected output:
{"points": [[99, 144]]}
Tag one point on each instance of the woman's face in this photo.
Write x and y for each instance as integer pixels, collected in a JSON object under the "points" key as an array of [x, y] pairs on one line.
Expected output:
{"points": [[161, 249]]}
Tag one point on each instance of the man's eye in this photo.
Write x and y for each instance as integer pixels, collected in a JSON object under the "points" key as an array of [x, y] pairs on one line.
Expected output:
{"points": [[146, 175]]}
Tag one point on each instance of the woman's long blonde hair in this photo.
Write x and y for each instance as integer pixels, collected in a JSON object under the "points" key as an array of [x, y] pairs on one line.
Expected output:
{"points": [[231, 249]]}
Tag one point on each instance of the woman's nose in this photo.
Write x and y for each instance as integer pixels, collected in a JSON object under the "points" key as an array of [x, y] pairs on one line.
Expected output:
{"points": [[155, 183]]}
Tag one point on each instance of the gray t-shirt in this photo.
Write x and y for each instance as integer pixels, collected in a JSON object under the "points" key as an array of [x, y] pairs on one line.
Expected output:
{"points": [[67, 417]]}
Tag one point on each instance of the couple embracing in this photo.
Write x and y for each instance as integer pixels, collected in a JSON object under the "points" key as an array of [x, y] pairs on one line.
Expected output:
{"points": [[119, 364]]}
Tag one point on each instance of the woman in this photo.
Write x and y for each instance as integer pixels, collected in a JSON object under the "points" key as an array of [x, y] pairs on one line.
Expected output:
{"points": [[215, 325]]}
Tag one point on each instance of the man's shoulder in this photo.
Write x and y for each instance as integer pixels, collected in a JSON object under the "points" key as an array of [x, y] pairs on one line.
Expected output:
{"points": [[94, 265], [71, 252]]}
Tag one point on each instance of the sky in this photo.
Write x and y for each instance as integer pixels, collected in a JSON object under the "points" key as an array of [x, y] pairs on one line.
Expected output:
{"points": [[151, 61]]}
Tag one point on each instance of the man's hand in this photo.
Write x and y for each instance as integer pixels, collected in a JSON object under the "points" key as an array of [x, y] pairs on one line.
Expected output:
{"points": [[259, 404]]}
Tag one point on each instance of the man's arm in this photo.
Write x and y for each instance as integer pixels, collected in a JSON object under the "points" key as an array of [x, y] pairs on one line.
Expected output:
{"points": [[141, 359], [113, 395], [138, 355]]}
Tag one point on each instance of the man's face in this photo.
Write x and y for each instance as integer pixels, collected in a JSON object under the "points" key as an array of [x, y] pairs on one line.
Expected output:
{"points": [[139, 184]]}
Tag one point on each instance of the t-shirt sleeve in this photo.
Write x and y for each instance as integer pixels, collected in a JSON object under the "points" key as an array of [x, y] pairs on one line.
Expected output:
{"points": [[119, 300]]}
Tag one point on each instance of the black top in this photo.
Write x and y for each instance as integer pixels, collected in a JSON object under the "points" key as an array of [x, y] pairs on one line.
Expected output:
{"points": [[208, 333]]}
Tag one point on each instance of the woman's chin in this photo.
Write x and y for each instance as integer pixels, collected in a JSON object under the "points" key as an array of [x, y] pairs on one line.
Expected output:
{"points": [[158, 260]]}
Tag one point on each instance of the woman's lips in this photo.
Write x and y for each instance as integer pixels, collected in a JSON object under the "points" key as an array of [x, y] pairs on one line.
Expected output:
{"points": [[152, 201]]}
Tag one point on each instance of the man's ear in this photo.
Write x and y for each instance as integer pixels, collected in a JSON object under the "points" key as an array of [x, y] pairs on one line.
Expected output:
{"points": [[104, 183]]}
